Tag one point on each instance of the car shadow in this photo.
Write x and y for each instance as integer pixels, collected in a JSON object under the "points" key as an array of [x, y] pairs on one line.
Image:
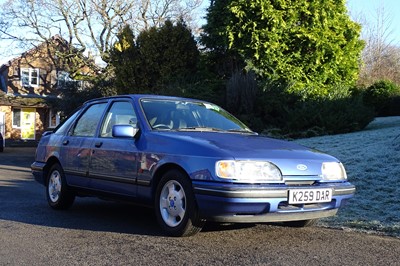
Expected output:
{"points": [[27, 203], [24, 201], [214, 227]]}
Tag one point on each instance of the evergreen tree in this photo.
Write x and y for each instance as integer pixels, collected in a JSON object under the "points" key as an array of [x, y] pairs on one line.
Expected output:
{"points": [[126, 61], [219, 58], [158, 57], [310, 44]]}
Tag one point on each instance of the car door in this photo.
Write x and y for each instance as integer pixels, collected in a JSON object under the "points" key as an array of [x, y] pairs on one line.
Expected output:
{"points": [[113, 166], [76, 145]]}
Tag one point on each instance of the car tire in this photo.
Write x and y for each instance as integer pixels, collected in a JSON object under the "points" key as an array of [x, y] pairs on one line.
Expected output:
{"points": [[175, 206], [302, 223], [58, 195]]}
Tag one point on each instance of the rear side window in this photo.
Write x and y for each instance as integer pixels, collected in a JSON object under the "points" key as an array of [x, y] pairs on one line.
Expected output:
{"points": [[87, 123]]}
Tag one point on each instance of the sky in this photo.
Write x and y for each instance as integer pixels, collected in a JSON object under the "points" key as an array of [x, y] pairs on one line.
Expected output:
{"points": [[362, 11], [365, 12]]}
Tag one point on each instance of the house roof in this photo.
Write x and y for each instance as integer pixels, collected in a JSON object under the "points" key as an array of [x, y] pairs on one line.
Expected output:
{"points": [[19, 101], [55, 38]]}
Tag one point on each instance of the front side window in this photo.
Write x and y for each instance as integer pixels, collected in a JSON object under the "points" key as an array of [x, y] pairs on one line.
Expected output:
{"points": [[30, 77], [16, 122], [87, 123], [120, 113]]}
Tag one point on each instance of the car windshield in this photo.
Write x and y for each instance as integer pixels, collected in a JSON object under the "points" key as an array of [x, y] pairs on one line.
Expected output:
{"points": [[186, 115]]}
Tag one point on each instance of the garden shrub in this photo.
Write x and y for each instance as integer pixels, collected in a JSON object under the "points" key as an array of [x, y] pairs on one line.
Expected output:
{"points": [[202, 86], [383, 97], [241, 92], [340, 112], [328, 116]]}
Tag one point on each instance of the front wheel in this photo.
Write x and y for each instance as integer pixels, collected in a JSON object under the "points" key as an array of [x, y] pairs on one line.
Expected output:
{"points": [[175, 205], [58, 195]]}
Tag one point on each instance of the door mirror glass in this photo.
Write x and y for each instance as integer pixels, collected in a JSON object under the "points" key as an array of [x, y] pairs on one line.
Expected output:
{"points": [[124, 131]]}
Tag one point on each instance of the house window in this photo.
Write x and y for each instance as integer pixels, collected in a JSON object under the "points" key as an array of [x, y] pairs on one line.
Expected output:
{"points": [[3, 86], [30, 77], [64, 81], [54, 118], [16, 121]]}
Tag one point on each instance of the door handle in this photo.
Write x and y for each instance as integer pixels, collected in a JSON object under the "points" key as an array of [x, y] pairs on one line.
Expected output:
{"points": [[65, 142], [98, 144]]}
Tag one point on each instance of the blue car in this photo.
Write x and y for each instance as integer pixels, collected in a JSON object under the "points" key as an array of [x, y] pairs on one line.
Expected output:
{"points": [[188, 159]]}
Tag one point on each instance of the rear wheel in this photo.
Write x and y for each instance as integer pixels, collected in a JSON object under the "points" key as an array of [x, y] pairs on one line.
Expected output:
{"points": [[58, 195], [175, 205]]}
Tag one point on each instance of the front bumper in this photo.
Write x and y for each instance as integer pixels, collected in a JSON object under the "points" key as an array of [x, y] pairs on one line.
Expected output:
{"points": [[244, 204]]}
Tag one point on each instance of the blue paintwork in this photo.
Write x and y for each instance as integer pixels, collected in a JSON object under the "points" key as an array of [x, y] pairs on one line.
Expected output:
{"points": [[129, 163]]}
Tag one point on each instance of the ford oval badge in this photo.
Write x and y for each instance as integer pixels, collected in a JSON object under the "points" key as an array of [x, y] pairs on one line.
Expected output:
{"points": [[301, 167]]}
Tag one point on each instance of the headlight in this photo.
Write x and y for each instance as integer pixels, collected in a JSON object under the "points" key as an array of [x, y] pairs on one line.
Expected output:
{"points": [[250, 171], [333, 171]]}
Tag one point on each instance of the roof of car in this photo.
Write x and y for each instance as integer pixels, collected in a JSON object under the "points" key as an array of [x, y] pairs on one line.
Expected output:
{"points": [[139, 96]]}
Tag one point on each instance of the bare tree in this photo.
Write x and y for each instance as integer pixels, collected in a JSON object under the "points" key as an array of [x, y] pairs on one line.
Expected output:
{"points": [[381, 56], [156, 12], [89, 25]]}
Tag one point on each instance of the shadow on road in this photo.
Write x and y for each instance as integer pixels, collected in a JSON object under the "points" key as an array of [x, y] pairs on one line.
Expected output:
{"points": [[23, 200], [17, 156]]}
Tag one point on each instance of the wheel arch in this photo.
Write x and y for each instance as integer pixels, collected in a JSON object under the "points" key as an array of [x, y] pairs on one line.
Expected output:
{"points": [[161, 171], [50, 162]]}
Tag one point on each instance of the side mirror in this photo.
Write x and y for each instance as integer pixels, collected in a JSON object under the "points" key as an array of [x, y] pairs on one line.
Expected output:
{"points": [[124, 131]]}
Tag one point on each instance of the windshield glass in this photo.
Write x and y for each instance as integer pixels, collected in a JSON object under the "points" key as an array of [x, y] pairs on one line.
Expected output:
{"points": [[189, 115]]}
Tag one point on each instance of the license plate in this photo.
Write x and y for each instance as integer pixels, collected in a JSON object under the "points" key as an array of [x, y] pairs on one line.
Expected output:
{"points": [[301, 196]]}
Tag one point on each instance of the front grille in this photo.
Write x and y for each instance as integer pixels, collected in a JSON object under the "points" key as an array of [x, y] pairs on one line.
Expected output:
{"points": [[284, 206], [300, 182]]}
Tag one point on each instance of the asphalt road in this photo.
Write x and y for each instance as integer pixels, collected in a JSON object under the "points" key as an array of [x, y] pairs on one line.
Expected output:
{"points": [[95, 232]]}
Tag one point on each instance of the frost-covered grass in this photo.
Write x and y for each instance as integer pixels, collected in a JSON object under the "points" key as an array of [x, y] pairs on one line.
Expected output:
{"points": [[372, 161]]}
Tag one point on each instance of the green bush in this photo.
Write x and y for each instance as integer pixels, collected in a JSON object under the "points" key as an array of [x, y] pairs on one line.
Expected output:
{"points": [[383, 97], [291, 116], [393, 108], [200, 86], [328, 116]]}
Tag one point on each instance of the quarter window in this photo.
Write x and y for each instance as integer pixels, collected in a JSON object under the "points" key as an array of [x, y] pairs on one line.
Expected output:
{"points": [[87, 123], [64, 126], [30, 77]]}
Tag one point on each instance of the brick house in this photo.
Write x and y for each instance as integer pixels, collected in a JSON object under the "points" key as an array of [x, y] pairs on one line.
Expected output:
{"points": [[27, 85]]}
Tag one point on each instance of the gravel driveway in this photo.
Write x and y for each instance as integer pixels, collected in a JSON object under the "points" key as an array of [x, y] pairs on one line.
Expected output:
{"points": [[95, 232]]}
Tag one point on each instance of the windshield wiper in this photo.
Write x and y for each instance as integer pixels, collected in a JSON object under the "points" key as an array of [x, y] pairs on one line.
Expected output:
{"points": [[242, 130], [199, 129]]}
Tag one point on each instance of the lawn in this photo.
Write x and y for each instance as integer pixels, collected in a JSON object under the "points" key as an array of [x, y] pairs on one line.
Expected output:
{"points": [[372, 162]]}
